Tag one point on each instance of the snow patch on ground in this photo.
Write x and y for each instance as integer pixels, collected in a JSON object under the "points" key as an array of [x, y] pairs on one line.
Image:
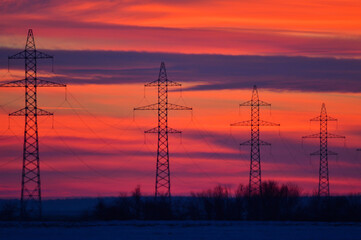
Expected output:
{"points": [[199, 230]]}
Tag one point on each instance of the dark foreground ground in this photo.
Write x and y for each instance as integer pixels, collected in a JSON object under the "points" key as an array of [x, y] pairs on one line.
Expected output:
{"points": [[178, 230]]}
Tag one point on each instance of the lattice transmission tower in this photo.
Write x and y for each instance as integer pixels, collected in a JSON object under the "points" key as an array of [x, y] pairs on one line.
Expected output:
{"points": [[324, 135], [162, 179], [30, 203], [255, 183]]}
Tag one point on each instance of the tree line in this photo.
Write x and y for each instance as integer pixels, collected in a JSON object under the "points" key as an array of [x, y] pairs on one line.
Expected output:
{"points": [[278, 202]]}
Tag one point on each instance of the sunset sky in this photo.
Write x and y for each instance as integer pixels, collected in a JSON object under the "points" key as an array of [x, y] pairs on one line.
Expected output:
{"points": [[300, 54]]}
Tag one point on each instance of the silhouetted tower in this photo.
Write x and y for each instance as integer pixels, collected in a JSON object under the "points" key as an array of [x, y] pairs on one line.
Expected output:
{"points": [[30, 184], [162, 180], [324, 135], [255, 183]]}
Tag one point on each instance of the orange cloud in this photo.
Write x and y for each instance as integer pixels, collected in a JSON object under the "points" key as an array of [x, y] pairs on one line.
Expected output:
{"points": [[226, 27]]}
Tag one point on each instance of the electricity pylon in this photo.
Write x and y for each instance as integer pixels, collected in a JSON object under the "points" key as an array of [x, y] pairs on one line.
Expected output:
{"points": [[324, 135], [255, 183], [30, 183], [162, 180]]}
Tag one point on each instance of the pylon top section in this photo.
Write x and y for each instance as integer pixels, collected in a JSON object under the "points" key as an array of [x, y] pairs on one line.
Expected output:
{"points": [[254, 100], [323, 115], [323, 109], [162, 73], [323, 118], [162, 79], [31, 55], [255, 97], [30, 41]]}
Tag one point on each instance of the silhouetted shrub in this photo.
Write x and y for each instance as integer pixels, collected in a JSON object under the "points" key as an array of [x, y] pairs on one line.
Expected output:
{"points": [[120, 209], [157, 209], [137, 202], [279, 202], [9, 210]]}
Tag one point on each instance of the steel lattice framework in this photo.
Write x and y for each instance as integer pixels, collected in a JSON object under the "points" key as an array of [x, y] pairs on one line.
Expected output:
{"points": [[30, 184], [162, 180], [255, 183], [324, 135]]}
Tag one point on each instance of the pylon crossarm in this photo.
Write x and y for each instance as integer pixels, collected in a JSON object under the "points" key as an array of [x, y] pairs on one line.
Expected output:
{"points": [[152, 130], [173, 84], [46, 83], [156, 130], [246, 104], [316, 135], [17, 83], [41, 55], [331, 153], [265, 123], [264, 143], [249, 142], [359, 149], [42, 112], [318, 118], [243, 123], [39, 83], [172, 106], [20, 55], [148, 107], [20, 112], [172, 130], [249, 122], [246, 143], [315, 153], [38, 55], [331, 118], [157, 82], [262, 103], [254, 103], [331, 135], [152, 84]]}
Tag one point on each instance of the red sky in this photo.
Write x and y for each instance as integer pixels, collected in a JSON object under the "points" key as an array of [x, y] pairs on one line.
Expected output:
{"points": [[299, 54]]}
